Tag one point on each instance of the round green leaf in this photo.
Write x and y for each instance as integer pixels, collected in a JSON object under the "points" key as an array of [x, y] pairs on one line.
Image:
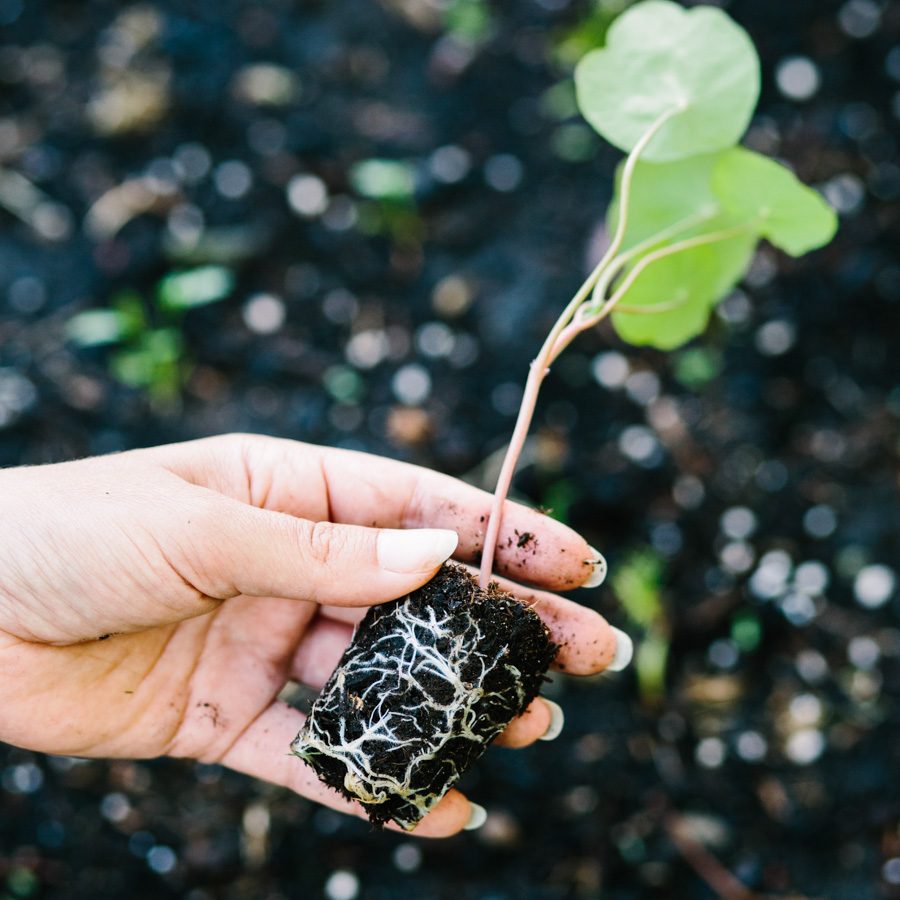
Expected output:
{"points": [[675, 295], [697, 64], [794, 217], [384, 179], [665, 194], [95, 327], [195, 287]]}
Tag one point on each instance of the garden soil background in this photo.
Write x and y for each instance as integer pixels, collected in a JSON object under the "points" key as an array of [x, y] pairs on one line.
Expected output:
{"points": [[405, 328]]}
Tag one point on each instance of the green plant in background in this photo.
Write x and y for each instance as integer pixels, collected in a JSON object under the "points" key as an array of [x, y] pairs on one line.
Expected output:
{"points": [[638, 585], [388, 208], [469, 21], [675, 89], [590, 32], [146, 340]]}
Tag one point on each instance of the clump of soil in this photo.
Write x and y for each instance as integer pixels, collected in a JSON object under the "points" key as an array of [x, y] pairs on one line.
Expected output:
{"points": [[427, 683]]}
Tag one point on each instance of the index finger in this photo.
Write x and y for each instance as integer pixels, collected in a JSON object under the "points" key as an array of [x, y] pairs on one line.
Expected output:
{"points": [[354, 488]]}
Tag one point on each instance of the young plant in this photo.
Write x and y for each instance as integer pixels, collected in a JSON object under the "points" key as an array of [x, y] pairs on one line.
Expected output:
{"points": [[675, 89], [637, 584], [429, 680], [148, 350]]}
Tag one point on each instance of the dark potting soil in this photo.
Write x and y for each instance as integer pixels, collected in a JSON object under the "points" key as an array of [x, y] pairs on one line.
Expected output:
{"points": [[427, 683]]}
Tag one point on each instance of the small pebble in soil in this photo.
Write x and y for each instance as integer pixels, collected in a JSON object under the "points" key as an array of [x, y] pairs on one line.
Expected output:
{"points": [[863, 652], [805, 746], [710, 752], [874, 585], [797, 78], [342, 885], [752, 746], [820, 521], [407, 858]]}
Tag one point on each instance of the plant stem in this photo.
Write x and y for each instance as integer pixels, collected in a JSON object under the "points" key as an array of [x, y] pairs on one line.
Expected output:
{"points": [[584, 322], [540, 365]]}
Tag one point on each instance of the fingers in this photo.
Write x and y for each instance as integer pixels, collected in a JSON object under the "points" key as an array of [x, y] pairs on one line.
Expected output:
{"points": [[543, 720], [359, 489], [262, 752], [224, 547], [588, 644], [318, 654]]}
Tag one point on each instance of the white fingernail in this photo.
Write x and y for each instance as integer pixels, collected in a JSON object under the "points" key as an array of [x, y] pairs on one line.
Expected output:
{"points": [[557, 720], [598, 576], [477, 817], [624, 651], [415, 549]]}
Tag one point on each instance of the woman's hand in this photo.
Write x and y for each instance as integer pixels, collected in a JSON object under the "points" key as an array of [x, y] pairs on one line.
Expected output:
{"points": [[156, 602]]}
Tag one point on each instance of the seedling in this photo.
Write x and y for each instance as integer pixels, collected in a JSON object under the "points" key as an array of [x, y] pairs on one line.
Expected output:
{"points": [[146, 340], [675, 90], [638, 586]]}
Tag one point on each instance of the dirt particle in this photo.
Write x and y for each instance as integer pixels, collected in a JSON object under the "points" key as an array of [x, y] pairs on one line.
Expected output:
{"points": [[526, 538], [211, 712]]}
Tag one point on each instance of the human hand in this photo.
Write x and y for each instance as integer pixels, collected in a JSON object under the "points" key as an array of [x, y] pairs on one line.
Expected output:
{"points": [[156, 602]]}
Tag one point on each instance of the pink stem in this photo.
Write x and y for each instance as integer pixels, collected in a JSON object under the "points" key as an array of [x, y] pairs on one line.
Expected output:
{"points": [[536, 375], [564, 330]]}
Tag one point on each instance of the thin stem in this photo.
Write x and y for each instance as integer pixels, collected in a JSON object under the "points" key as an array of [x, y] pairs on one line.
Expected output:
{"points": [[616, 265], [540, 365], [649, 243], [584, 322], [628, 177], [723, 883], [614, 268]]}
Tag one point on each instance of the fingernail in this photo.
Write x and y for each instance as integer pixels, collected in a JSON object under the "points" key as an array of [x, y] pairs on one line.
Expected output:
{"points": [[557, 720], [598, 576], [624, 651], [416, 549], [477, 817]]}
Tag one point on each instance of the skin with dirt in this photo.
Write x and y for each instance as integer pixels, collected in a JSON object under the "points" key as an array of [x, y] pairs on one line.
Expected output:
{"points": [[427, 683]]}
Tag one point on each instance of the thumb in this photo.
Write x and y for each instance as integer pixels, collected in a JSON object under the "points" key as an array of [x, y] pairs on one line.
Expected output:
{"points": [[261, 553]]}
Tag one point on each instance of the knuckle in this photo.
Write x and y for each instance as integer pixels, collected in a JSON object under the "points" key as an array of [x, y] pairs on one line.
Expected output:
{"points": [[324, 542]]}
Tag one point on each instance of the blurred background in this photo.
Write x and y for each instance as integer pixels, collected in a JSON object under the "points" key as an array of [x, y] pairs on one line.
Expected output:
{"points": [[352, 222]]}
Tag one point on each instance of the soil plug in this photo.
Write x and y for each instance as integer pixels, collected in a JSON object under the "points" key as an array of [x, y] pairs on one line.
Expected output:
{"points": [[426, 684]]}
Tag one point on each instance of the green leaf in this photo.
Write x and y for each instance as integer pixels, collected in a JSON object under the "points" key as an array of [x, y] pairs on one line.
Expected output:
{"points": [[663, 194], [746, 631], [96, 327], [637, 585], [697, 366], [588, 33], [194, 287], [675, 295], [558, 102], [697, 65], [470, 21], [650, 664], [343, 383], [384, 179], [153, 361], [794, 217]]}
